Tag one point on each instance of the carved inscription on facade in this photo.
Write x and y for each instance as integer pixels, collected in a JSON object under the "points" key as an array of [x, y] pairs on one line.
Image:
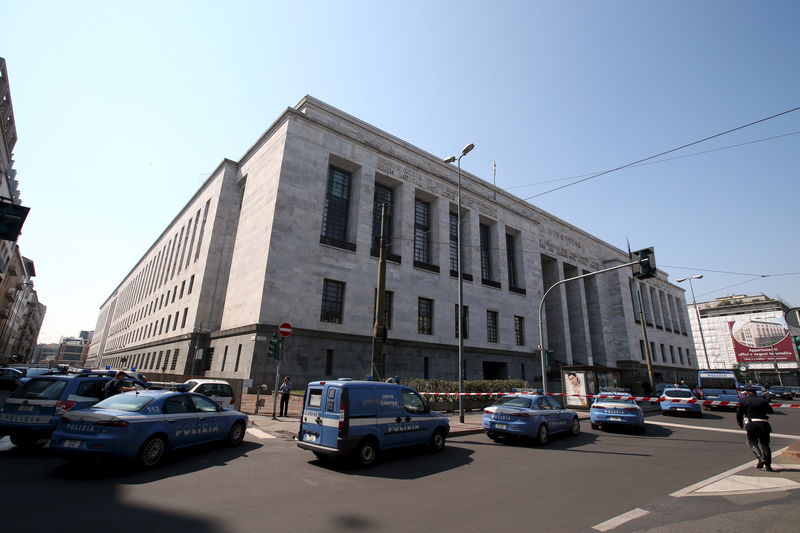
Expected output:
{"points": [[567, 247], [426, 183]]}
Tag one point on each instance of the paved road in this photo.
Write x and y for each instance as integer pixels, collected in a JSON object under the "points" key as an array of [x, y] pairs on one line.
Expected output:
{"points": [[573, 484]]}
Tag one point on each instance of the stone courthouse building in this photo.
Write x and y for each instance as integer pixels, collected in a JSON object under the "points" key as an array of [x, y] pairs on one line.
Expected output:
{"points": [[289, 234]]}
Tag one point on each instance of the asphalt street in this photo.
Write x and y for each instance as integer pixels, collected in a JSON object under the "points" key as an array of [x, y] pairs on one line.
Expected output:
{"points": [[572, 484]]}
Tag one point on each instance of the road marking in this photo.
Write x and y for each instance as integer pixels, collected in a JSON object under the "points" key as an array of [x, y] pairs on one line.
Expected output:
{"points": [[747, 485], [621, 519], [720, 430], [697, 486], [259, 434]]}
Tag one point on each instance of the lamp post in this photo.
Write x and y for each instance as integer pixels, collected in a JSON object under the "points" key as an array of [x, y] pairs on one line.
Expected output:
{"points": [[467, 149], [699, 323]]}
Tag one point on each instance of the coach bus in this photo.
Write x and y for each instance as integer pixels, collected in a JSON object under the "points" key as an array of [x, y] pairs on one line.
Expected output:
{"points": [[718, 386]]}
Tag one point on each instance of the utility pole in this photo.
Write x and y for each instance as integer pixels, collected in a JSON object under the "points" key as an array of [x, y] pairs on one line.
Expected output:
{"points": [[647, 353], [379, 325]]}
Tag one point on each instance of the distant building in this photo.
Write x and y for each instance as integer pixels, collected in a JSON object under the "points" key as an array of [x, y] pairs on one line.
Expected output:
{"points": [[747, 331], [289, 233], [72, 351], [46, 353], [21, 313]]}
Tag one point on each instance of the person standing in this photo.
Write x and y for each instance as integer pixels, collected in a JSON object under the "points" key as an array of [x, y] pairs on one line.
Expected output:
{"points": [[117, 385], [752, 416], [285, 389]]}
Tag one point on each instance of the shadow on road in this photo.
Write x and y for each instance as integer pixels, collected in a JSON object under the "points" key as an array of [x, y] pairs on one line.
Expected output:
{"points": [[404, 463], [175, 464]]}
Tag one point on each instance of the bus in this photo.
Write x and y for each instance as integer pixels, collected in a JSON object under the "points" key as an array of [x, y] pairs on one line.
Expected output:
{"points": [[718, 385]]}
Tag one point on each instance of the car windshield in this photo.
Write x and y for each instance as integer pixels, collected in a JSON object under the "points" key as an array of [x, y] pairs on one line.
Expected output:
{"points": [[777, 389], [124, 402], [626, 401], [678, 394], [40, 389], [514, 401], [37, 372]]}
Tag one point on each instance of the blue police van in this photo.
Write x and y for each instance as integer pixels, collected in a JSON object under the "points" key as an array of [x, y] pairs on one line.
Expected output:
{"points": [[360, 418]]}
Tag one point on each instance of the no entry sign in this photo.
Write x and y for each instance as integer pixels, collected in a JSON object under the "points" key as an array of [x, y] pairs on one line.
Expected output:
{"points": [[285, 329]]}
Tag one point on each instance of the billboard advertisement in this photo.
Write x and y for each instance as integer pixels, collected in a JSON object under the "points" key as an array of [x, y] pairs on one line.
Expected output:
{"points": [[575, 383], [761, 340]]}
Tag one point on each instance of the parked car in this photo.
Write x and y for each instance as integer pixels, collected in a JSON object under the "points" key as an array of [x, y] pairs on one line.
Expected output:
{"points": [[619, 410], [32, 411], [795, 391], [362, 418], [674, 401], [526, 416], [218, 390], [779, 392], [36, 371], [10, 378], [145, 426]]}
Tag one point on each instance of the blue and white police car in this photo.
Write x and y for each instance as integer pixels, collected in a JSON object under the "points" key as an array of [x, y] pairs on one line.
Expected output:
{"points": [[616, 409], [530, 416], [145, 426], [360, 418], [679, 400]]}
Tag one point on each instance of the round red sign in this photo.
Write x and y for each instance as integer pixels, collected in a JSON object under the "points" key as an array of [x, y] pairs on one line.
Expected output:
{"points": [[285, 329]]}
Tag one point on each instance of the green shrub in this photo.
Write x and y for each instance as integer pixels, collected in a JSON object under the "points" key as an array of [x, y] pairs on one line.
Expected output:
{"points": [[482, 385]]}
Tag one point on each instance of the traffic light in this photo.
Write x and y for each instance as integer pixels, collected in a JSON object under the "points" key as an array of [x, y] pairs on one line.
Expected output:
{"points": [[796, 339], [548, 357], [645, 266], [275, 347]]}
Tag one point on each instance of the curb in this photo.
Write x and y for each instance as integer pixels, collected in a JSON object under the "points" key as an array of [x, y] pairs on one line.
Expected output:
{"points": [[793, 450]]}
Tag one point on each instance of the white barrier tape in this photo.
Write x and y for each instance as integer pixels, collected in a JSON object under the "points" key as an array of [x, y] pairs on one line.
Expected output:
{"points": [[712, 403]]}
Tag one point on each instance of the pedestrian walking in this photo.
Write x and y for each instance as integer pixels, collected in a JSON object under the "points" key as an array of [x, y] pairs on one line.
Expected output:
{"points": [[752, 416], [285, 389]]}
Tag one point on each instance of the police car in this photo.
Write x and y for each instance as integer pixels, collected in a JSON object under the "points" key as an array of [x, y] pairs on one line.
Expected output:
{"points": [[613, 408], [145, 426], [679, 405], [31, 412], [361, 418], [530, 416]]}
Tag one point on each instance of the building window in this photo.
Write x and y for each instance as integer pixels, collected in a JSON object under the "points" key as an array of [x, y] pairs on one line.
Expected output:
{"points": [[454, 242], [422, 235], [680, 354], [332, 301], [511, 255], [491, 326], [383, 195], [519, 332], [183, 286], [672, 353], [238, 356], [329, 362], [158, 363], [337, 209], [653, 351], [486, 253], [191, 284], [464, 321], [174, 359], [224, 359], [641, 349], [183, 320], [425, 316]]}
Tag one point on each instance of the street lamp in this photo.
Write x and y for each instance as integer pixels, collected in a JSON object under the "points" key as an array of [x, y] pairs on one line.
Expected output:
{"points": [[467, 149], [699, 323]]}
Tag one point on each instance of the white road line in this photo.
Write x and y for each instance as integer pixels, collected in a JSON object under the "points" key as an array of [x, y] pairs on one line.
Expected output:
{"points": [[259, 434], [621, 519], [714, 479], [720, 430]]}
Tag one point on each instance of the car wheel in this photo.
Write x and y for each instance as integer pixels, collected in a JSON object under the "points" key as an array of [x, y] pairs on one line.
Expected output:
{"points": [[576, 426], [152, 451], [542, 435], [236, 434], [437, 441], [367, 452], [24, 440]]}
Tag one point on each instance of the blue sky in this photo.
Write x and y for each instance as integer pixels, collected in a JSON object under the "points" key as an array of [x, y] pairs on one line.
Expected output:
{"points": [[124, 108]]}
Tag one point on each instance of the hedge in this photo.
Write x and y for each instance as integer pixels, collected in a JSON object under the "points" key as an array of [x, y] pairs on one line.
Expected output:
{"points": [[483, 385]]}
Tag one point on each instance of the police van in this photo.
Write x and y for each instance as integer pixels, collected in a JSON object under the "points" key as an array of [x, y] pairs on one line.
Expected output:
{"points": [[361, 418]]}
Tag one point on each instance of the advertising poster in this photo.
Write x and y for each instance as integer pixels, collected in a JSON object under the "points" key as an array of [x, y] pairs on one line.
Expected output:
{"points": [[575, 383], [763, 340]]}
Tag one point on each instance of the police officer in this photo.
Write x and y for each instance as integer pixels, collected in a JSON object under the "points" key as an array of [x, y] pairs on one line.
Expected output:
{"points": [[751, 415]]}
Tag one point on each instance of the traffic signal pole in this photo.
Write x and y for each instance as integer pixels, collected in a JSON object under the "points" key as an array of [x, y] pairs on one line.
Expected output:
{"points": [[646, 264]]}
